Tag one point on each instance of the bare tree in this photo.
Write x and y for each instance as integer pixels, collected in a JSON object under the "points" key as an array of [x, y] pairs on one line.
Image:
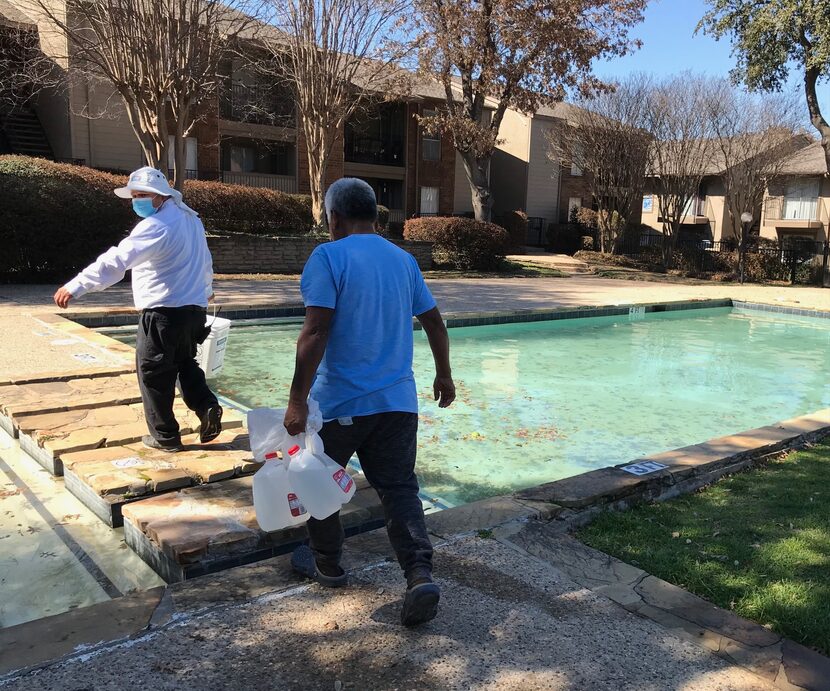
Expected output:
{"points": [[606, 138], [498, 54], [160, 56], [682, 151], [753, 136], [335, 56]]}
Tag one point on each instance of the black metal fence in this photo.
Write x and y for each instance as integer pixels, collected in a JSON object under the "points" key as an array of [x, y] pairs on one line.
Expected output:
{"points": [[795, 260]]}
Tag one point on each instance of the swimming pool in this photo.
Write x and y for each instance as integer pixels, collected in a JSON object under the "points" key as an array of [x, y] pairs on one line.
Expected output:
{"points": [[546, 400]]}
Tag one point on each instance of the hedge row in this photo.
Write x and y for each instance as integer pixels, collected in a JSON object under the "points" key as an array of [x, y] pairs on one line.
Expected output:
{"points": [[461, 243], [56, 218]]}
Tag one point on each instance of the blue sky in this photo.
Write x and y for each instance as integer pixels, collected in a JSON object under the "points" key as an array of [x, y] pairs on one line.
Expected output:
{"points": [[670, 45]]}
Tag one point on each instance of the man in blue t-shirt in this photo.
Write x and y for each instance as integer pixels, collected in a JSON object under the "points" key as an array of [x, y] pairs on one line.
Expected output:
{"points": [[354, 356]]}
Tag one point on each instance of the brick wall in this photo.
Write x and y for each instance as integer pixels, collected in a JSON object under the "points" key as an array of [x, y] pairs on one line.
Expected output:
{"points": [[420, 173], [573, 186], [334, 169], [241, 254]]}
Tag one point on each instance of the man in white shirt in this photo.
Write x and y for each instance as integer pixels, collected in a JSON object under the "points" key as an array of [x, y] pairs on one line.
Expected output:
{"points": [[172, 276]]}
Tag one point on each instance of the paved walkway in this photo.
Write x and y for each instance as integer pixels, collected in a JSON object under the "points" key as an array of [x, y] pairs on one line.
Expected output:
{"points": [[508, 621], [29, 346]]}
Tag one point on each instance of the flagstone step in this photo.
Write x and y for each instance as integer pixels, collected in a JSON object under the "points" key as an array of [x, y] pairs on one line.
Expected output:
{"points": [[106, 479], [47, 437], [53, 396], [208, 528]]}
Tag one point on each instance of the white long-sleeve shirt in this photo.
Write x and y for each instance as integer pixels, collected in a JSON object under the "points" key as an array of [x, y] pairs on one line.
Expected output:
{"points": [[169, 258]]}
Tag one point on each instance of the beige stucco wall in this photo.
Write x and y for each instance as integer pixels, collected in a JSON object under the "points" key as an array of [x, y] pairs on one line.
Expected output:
{"points": [[769, 225], [105, 139], [509, 166], [714, 209], [52, 41], [542, 174]]}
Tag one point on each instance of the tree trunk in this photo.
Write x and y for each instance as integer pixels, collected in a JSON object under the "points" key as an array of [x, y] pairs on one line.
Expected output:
{"points": [[317, 148], [819, 122], [477, 170], [179, 162]]}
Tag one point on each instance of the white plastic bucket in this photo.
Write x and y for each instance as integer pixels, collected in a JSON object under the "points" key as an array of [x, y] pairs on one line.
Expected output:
{"points": [[210, 355]]}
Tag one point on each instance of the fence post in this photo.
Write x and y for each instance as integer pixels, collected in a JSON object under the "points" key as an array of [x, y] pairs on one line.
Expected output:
{"points": [[824, 264]]}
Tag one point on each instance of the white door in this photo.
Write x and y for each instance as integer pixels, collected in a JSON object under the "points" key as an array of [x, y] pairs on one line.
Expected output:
{"points": [[429, 201]]}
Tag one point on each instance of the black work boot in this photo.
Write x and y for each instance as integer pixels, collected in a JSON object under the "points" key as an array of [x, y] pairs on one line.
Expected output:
{"points": [[420, 604]]}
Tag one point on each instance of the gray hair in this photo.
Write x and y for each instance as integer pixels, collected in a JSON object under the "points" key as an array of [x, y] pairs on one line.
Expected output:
{"points": [[353, 199]]}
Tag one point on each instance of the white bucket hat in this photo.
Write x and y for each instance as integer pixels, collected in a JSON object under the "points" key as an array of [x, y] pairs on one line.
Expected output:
{"points": [[150, 180]]}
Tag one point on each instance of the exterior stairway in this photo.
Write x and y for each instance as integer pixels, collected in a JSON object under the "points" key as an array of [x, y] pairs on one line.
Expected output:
{"points": [[24, 134]]}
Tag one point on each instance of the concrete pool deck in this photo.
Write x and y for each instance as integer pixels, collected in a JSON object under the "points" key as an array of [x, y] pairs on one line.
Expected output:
{"points": [[531, 622]]}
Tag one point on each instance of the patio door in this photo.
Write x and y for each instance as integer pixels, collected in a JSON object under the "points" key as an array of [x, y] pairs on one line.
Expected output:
{"points": [[429, 201], [191, 164]]}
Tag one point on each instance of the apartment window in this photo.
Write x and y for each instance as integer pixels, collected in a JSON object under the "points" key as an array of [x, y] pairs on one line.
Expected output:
{"points": [[191, 155], [648, 204], [801, 200], [429, 201], [430, 143], [243, 159], [574, 204], [576, 168]]}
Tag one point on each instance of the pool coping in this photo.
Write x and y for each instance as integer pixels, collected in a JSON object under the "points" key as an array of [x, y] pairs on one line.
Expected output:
{"points": [[562, 505]]}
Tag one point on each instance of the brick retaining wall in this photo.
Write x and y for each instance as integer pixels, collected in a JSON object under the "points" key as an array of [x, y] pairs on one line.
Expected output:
{"points": [[248, 254]]}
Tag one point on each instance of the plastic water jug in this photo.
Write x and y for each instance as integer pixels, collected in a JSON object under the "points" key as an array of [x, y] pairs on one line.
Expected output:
{"points": [[322, 484], [276, 504], [266, 432]]}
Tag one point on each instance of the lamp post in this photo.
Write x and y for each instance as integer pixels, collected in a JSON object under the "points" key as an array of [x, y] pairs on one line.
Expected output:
{"points": [[746, 222]]}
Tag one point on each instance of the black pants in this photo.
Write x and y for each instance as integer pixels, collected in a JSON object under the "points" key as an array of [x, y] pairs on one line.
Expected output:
{"points": [[386, 445], [165, 350]]}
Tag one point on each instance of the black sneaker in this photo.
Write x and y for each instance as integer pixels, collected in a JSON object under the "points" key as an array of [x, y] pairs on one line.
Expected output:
{"points": [[302, 561], [152, 443], [420, 604], [211, 424]]}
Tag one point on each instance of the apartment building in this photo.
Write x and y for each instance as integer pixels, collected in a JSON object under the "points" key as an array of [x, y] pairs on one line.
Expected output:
{"points": [[797, 204]]}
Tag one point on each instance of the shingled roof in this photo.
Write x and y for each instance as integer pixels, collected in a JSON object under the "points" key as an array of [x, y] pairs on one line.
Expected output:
{"points": [[807, 161]]}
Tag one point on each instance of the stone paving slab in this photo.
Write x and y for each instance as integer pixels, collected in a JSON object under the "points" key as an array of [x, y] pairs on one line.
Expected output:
{"points": [[781, 663], [107, 478], [63, 375], [200, 530], [71, 393], [507, 622], [47, 437]]}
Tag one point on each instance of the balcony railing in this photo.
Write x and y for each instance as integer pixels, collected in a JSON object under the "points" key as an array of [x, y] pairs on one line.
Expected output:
{"points": [[283, 183], [389, 152], [261, 105], [397, 216]]}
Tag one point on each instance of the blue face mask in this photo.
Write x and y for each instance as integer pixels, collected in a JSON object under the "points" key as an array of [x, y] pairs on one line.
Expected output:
{"points": [[143, 206]]}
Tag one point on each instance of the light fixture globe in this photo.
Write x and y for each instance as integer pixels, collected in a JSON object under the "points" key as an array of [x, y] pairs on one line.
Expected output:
{"points": [[746, 217]]}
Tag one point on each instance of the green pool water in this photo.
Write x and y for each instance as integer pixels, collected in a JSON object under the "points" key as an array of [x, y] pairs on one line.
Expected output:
{"points": [[546, 400]]}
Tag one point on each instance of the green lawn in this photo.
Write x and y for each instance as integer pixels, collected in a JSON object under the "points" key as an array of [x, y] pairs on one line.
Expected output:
{"points": [[757, 543]]}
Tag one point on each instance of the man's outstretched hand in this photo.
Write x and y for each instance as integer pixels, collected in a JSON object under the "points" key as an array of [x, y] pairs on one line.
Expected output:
{"points": [[444, 389], [62, 298], [296, 417]]}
